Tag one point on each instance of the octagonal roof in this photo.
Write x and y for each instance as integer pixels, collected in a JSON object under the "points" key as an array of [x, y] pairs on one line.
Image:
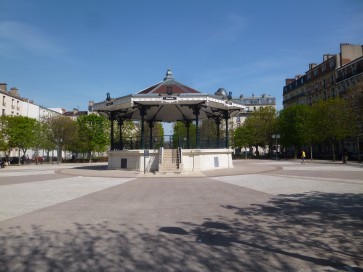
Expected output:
{"points": [[168, 101]]}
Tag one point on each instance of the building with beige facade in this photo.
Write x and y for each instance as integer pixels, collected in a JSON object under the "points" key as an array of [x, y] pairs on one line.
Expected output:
{"points": [[328, 79], [321, 80], [11, 102]]}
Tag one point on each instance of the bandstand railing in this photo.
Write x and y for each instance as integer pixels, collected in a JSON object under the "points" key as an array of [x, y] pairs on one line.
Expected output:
{"points": [[170, 142]]}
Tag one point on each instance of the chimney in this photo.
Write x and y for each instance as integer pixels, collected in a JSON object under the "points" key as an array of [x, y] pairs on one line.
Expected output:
{"points": [[90, 105], [327, 56], [312, 65], [3, 87], [14, 91], [289, 80]]}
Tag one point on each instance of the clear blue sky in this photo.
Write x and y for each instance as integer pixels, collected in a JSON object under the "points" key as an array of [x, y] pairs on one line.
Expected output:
{"points": [[65, 53]]}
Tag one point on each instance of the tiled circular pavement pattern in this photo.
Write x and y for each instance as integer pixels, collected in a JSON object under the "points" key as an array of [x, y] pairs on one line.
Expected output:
{"points": [[258, 216]]}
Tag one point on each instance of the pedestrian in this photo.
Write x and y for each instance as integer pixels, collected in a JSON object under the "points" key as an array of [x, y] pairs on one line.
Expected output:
{"points": [[303, 156]]}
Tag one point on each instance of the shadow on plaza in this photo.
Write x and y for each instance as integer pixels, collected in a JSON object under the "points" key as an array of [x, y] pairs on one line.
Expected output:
{"points": [[102, 167], [302, 232]]}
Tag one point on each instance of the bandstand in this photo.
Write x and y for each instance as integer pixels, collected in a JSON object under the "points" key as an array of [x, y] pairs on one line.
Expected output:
{"points": [[169, 101]]}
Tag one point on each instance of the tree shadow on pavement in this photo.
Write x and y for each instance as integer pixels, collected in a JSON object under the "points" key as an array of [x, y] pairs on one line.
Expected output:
{"points": [[303, 232]]}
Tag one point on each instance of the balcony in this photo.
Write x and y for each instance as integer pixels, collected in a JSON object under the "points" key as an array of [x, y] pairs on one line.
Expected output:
{"points": [[349, 75]]}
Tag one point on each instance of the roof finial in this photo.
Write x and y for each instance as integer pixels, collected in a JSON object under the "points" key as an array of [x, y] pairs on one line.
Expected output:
{"points": [[169, 74]]}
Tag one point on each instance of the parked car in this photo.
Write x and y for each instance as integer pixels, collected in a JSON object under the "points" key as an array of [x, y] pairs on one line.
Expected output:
{"points": [[14, 160], [49, 158], [38, 159], [2, 162]]}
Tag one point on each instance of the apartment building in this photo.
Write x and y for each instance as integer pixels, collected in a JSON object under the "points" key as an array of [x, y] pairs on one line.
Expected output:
{"points": [[11, 102], [321, 80], [328, 79], [252, 103]]}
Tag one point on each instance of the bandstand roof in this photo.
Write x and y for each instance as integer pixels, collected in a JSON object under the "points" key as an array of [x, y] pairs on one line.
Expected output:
{"points": [[169, 101]]}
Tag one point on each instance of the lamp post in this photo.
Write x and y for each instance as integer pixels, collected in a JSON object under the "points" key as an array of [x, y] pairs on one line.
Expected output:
{"points": [[276, 136]]}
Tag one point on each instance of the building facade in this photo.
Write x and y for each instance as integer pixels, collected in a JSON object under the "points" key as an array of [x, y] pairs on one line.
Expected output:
{"points": [[321, 80], [331, 78], [252, 103], [14, 105], [11, 102]]}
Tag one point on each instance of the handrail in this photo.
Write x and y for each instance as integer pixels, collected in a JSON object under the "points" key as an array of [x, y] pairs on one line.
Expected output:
{"points": [[179, 155], [161, 155]]}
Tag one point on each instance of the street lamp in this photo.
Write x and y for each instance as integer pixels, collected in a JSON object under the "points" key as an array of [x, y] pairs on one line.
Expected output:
{"points": [[276, 136]]}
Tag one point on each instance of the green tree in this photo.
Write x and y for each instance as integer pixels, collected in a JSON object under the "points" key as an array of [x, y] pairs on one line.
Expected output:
{"points": [[180, 132], [331, 121], [20, 132], [62, 132], [208, 133], [243, 137], [157, 134], [262, 124], [3, 137], [354, 98], [92, 134], [295, 127]]}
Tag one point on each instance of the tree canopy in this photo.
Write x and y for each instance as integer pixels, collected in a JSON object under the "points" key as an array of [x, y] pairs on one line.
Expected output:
{"points": [[92, 134]]}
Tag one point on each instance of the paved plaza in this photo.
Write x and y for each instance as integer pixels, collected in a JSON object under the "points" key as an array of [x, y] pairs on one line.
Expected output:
{"points": [[258, 216]]}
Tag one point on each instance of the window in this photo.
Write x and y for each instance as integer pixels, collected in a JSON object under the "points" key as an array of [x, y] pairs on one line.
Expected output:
{"points": [[4, 104], [3, 113], [316, 72], [323, 68]]}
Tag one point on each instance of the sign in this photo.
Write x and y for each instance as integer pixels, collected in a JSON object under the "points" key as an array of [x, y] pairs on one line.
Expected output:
{"points": [[169, 98]]}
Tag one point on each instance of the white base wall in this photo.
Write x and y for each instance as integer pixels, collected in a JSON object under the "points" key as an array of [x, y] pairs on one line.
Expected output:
{"points": [[206, 159], [192, 160], [135, 160]]}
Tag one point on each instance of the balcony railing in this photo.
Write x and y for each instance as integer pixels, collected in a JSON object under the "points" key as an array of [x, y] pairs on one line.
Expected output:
{"points": [[349, 75]]}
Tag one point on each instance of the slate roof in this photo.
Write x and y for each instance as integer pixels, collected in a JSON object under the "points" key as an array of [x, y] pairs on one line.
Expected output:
{"points": [[168, 86]]}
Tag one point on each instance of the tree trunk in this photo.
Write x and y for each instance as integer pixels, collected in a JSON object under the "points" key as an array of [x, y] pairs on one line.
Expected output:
{"points": [[311, 151], [358, 146], [333, 150]]}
